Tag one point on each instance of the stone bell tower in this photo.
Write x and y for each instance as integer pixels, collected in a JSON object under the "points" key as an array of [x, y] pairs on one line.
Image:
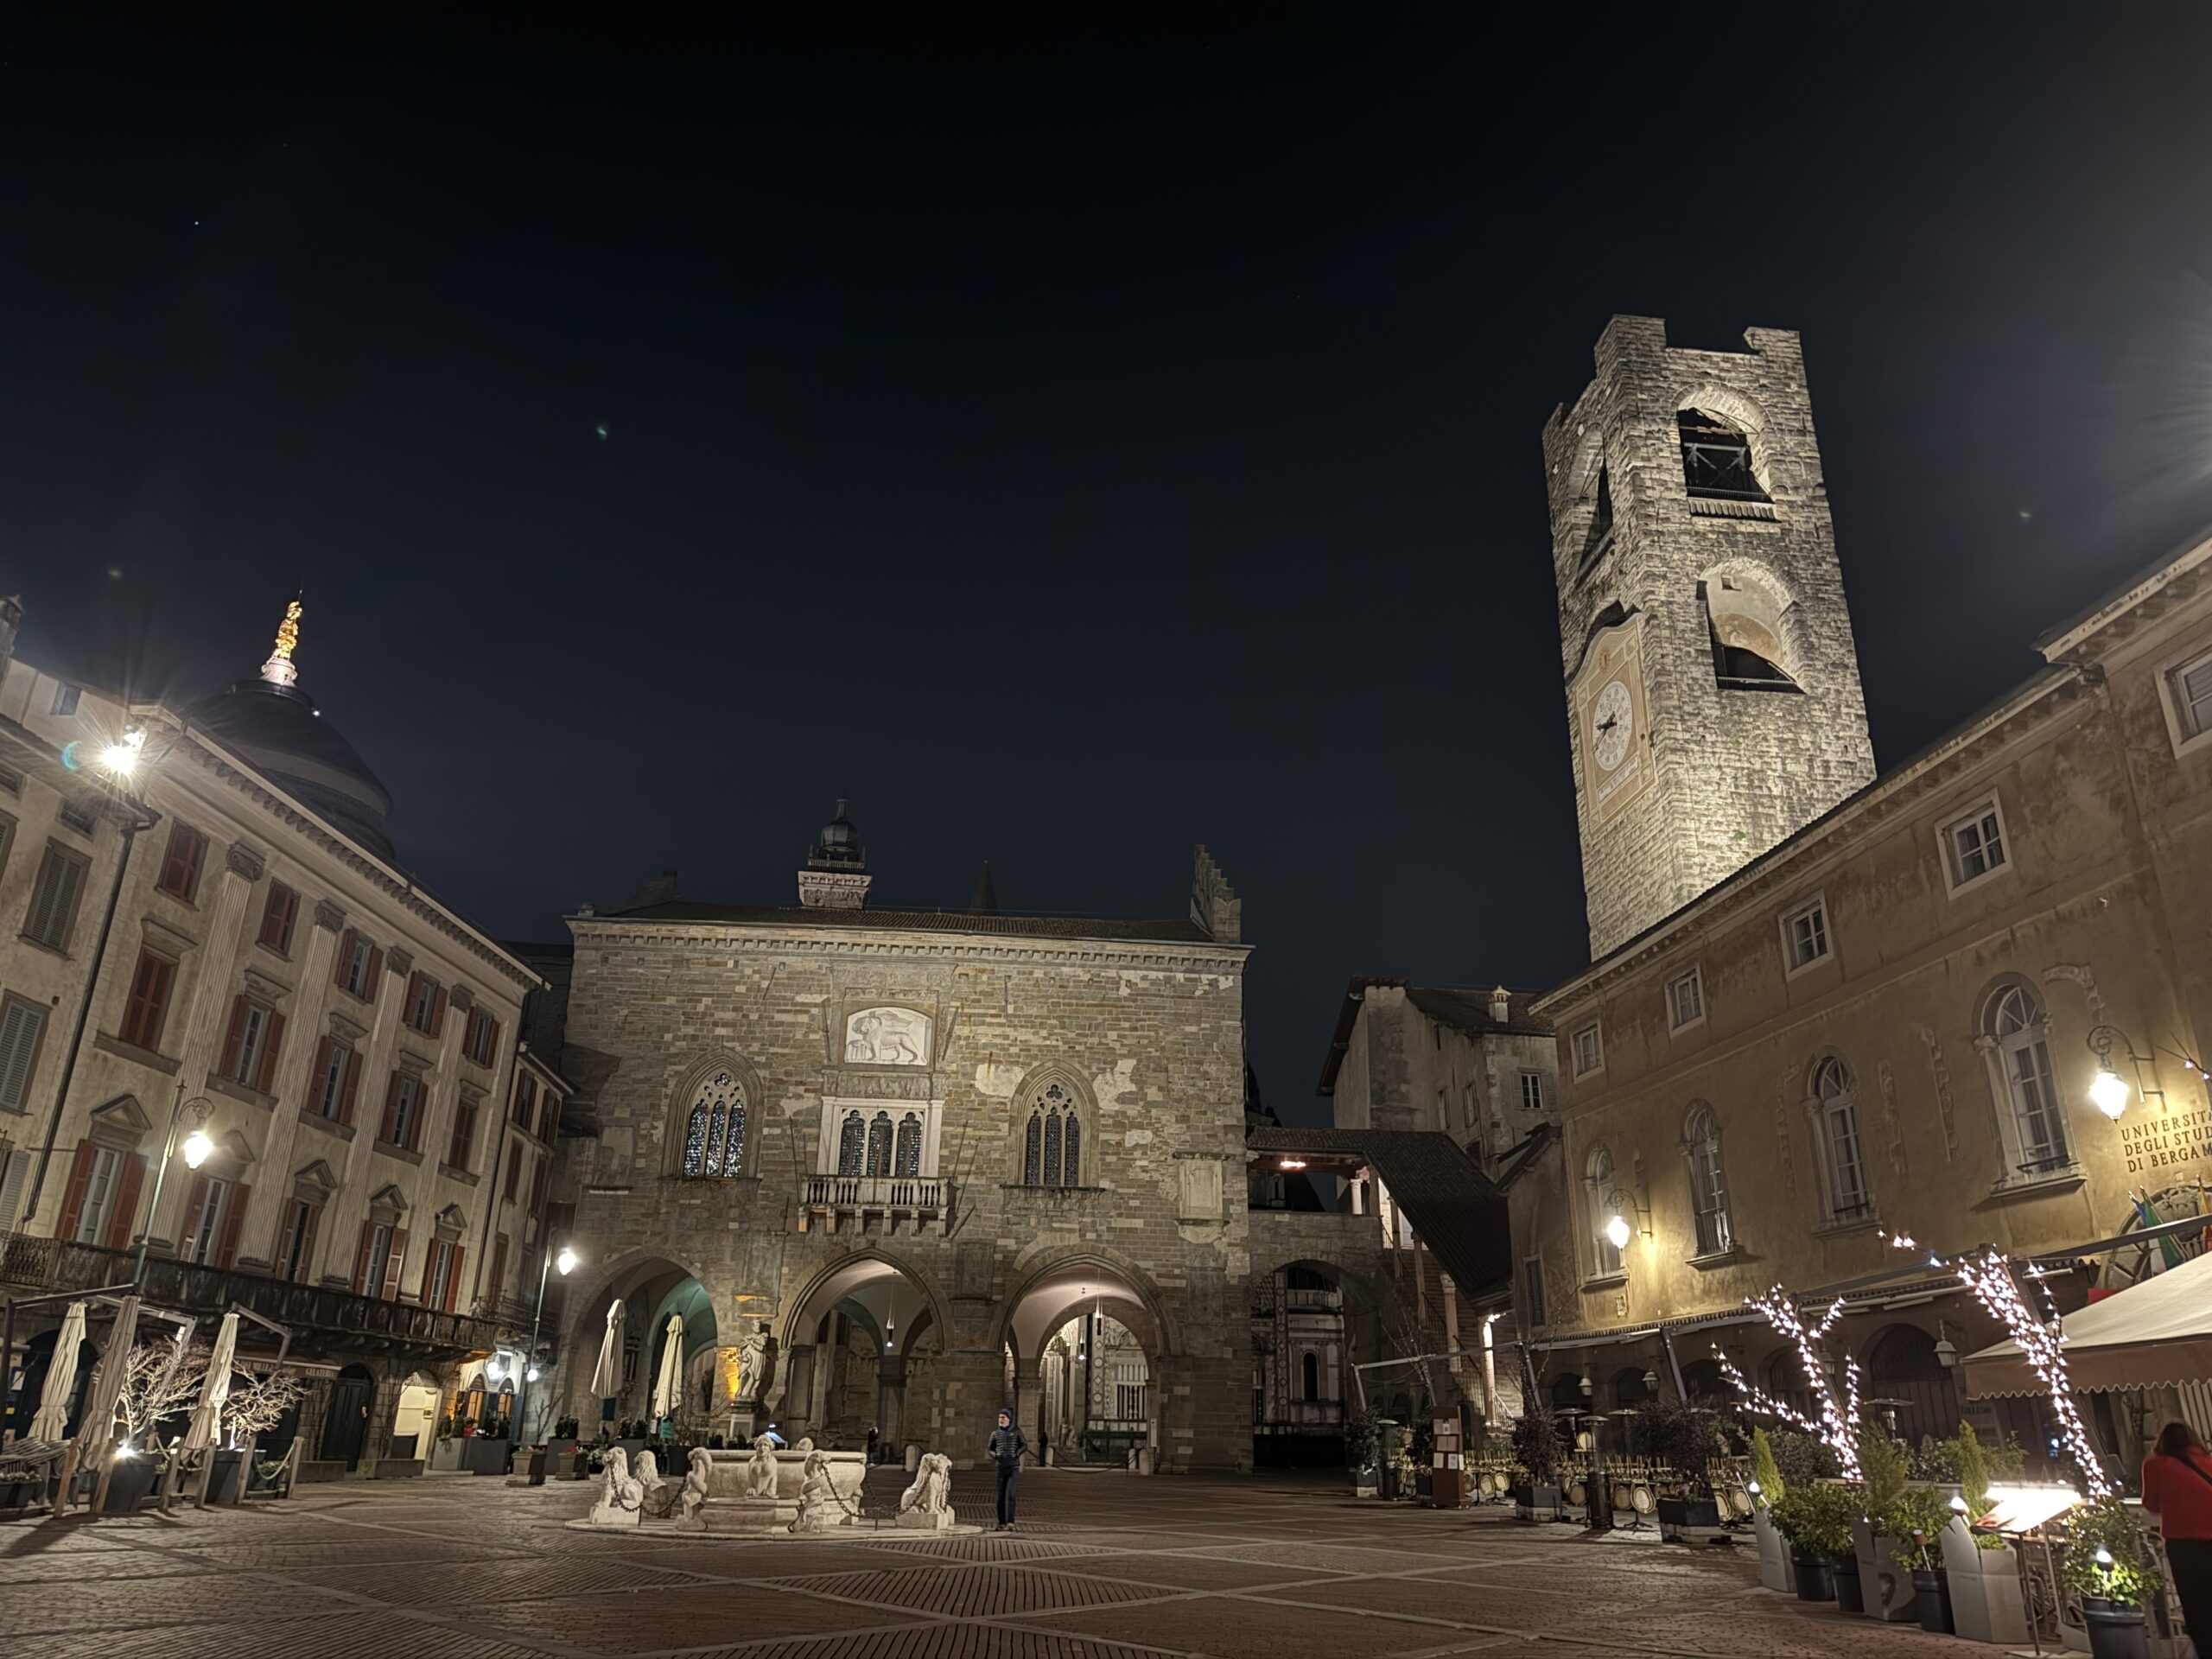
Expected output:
{"points": [[1713, 703]]}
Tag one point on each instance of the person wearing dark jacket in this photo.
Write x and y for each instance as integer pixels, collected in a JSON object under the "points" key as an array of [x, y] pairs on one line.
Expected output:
{"points": [[1006, 1450]]}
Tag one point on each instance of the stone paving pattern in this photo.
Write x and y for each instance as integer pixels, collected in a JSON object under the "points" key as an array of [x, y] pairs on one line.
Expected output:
{"points": [[1107, 1565]]}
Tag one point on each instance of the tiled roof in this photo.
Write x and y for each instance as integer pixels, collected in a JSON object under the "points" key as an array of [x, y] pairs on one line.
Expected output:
{"points": [[1181, 931], [1457, 1209], [1462, 1008]]}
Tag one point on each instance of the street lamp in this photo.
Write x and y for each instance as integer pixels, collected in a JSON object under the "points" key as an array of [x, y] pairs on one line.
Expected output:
{"points": [[2109, 1090], [566, 1260], [198, 1145]]}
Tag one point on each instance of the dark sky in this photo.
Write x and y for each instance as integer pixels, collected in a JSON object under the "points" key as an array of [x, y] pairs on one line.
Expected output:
{"points": [[1072, 447]]}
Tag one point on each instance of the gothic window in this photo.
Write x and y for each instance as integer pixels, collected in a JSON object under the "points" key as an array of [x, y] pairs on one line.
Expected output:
{"points": [[1601, 522], [1052, 1144], [878, 1145], [1599, 1179], [2016, 1025], [1708, 1189], [852, 1140], [714, 1133], [1843, 1159], [907, 1155], [1717, 458]]}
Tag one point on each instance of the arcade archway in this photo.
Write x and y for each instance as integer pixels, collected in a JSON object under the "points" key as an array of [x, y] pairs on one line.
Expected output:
{"points": [[651, 1289], [857, 1340], [1083, 1342]]}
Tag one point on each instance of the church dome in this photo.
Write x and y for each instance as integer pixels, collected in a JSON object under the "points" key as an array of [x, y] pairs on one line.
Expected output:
{"points": [[274, 728], [840, 842]]}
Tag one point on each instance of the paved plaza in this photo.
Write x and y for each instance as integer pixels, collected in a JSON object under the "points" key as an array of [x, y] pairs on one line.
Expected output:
{"points": [[1107, 1565]]}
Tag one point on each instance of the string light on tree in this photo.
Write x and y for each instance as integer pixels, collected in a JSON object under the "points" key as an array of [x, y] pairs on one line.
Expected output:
{"points": [[1838, 1418], [1989, 1276]]}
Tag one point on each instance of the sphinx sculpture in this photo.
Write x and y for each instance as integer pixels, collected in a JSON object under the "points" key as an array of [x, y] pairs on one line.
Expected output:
{"points": [[927, 1504], [621, 1496], [657, 1496], [761, 1469], [818, 1498]]}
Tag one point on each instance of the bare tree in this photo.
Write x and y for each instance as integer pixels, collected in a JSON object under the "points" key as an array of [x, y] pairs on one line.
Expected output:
{"points": [[160, 1380], [259, 1406]]}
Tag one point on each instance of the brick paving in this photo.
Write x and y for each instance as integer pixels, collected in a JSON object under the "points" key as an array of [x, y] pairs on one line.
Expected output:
{"points": [[1107, 1565]]}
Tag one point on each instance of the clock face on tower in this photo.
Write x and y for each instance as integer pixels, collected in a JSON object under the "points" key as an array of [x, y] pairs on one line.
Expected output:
{"points": [[1612, 722]]}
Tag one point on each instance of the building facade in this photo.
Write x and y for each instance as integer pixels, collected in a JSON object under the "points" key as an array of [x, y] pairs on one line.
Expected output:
{"points": [[204, 927], [1888, 1021], [876, 1161]]}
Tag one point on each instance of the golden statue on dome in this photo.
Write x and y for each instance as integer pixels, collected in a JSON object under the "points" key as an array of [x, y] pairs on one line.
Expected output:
{"points": [[278, 669]]}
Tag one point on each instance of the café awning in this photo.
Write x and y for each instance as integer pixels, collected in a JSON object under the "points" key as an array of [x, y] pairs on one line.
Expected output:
{"points": [[2155, 1334]]}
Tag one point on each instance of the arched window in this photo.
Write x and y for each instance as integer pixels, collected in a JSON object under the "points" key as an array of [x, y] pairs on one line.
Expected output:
{"points": [[1745, 623], [1708, 1189], [878, 1145], [1309, 1369], [1601, 521], [1600, 1179], [1717, 458], [1052, 1144], [906, 1158], [2015, 1024], [714, 1135], [852, 1142], [1835, 1109]]}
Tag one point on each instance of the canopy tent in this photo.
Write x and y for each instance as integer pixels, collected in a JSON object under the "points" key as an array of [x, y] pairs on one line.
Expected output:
{"points": [[607, 1376], [668, 1392], [52, 1419], [2155, 1334]]}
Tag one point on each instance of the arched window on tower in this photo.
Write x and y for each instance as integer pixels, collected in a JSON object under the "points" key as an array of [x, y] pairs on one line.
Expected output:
{"points": [[878, 1145], [1717, 458], [852, 1144], [714, 1135], [1601, 521], [1052, 1142], [1745, 621], [906, 1158]]}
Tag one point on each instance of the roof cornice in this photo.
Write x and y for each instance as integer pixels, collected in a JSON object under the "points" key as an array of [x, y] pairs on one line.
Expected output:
{"points": [[2140, 600], [767, 938]]}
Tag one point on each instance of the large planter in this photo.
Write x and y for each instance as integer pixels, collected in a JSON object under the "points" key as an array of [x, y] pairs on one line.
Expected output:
{"points": [[1931, 1589], [481, 1457], [17, 1494], [1986, 1604], [1537, 1503], [2117, 1629], [1678, 1517], [1850, 1594], [1774, 1553], [1809, 1574], [445, 1454], [226, 1477], [1884, 1585], [130, 1483]]}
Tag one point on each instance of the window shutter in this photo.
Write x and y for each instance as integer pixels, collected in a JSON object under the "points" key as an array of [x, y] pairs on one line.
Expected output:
{"points": [[493, 1290], [55, 903], [390, 1125], [306, 1241], [14, 1171], [122, 1218], [514, 1174], [491, 1047], [399, 1260], [537, 1184], [407, 999], [72, 1196], [321, 1070], [344, 958], [265, 1073], [376, 976], [429, 1273], [20, 1026], [226, 1243], [195, 1200], [352, 1084], [453, 1279], [361, 1286], [438, 1011], [230, 1044]]}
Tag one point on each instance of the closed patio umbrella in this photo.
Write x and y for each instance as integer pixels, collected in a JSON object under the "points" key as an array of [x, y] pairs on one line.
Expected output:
{"points": [[668, 1391], [607, 1376], [52, 1414], [208, 1415]]}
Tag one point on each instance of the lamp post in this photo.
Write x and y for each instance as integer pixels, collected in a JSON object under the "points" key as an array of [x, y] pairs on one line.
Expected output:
{"points": [[197, 1146], [566, 1260]]}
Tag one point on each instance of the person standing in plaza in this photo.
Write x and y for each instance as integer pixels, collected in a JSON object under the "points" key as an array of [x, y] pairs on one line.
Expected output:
{"points": [[1005, 1451], [2177, 1489]]}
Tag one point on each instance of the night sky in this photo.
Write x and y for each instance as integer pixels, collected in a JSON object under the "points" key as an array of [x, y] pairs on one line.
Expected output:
{"points": [[1070, 447]]}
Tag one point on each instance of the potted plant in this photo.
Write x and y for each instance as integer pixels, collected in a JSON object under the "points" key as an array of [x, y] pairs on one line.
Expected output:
{"points": [[1423, 1456], [1816, 1519], [1686, 1442], [1537, 1448], [446, 1454], [263, 1478], [1983, 1571], [21, 1487], [2108, 1565], [1915, 1520], [1767, 1487], [1885, 1584], [1360, 1452]]}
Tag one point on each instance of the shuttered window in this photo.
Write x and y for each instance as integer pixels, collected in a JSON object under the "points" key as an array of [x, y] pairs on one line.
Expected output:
{"points": [[20, 1027], [181, 861], [278, 915], [148, 1008], [54, 900]]}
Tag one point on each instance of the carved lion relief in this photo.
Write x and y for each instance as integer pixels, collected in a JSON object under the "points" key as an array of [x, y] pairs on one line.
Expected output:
{"points": [[887, 1037]]}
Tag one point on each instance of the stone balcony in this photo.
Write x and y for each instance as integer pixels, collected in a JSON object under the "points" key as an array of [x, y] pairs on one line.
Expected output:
{"points": [[877, 1204], [309, 1311]]}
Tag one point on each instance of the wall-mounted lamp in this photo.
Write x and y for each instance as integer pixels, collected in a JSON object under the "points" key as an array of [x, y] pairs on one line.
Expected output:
{"points": [[1651, 1382], [1588, 1386], [2109, 1090], [1947, 1354], [1617, 1226]]}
